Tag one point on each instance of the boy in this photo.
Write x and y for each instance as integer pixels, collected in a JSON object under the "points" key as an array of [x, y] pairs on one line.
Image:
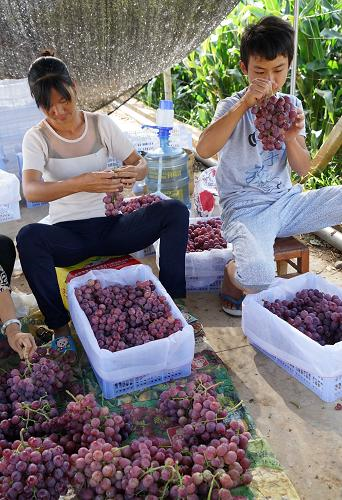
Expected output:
{"points": [[258, 200]]}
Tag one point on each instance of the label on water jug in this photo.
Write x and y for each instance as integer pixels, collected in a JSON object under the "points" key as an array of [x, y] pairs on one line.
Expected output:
{"points": [[167, 173]]}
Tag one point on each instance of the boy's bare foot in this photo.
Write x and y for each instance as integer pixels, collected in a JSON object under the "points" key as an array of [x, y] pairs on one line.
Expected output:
{"points": [[231, 296]]}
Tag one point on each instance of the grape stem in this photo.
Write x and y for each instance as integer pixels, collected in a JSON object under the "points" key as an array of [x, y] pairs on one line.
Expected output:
{"points": [[71, 395], [212, 486]]}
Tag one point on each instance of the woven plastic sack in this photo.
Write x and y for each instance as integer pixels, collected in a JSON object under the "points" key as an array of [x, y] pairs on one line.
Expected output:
{"points": [[162, 354], [206, 198], [278, 338]]}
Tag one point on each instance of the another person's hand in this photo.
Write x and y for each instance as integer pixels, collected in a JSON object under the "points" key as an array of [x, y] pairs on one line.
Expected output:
{"points": [[100, 182], [22, 343], [297, 126], [128, 174], [257, 90]]}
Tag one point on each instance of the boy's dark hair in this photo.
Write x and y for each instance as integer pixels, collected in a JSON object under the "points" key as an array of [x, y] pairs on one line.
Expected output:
{"points": [[268, 38], [47, 73]]}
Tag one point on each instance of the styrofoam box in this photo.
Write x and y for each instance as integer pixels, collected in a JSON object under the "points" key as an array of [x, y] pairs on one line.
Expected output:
{"points": [[9, 211], [317, 367], [137, 367]]}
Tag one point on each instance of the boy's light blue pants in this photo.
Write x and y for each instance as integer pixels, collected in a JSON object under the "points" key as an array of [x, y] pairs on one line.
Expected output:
{"points": [[252, 231]]}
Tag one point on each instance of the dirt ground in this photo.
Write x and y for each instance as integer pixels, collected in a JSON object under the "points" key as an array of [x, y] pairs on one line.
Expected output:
{"points": [[304, 432]]}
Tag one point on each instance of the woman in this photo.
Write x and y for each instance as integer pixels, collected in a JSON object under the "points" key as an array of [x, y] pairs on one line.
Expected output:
{"points": [[22, 343], [65, 163]]}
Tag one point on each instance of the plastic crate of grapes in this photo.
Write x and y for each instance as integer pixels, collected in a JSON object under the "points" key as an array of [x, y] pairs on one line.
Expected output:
{"points": [[204, 270], [146, 252], [142, 366], [318, 367]]}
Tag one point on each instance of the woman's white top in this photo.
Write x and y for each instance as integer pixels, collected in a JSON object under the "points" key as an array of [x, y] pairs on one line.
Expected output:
{"points": [[58, 159]]}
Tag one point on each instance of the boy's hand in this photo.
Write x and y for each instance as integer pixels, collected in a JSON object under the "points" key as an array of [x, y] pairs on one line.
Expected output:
{"points": [[257, 90], [297, 126]]}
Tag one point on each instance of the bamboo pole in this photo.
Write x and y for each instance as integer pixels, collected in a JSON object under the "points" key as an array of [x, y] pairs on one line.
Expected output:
{"points": [[167, 84], [328, 149]]}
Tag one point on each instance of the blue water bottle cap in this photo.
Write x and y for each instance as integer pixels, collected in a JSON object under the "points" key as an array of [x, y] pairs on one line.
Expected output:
{"points": [[165, 104]]}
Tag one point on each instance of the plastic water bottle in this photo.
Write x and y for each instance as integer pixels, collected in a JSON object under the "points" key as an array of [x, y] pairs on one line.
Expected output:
{"points": [[168, 166]]}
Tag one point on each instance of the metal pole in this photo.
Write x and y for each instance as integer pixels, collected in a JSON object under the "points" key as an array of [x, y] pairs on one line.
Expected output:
{"points": [[294, 61], [167, 84]]}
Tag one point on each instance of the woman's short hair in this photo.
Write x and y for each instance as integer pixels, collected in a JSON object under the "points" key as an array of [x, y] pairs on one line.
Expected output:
{"points": [[47, 73], [268, 38]]}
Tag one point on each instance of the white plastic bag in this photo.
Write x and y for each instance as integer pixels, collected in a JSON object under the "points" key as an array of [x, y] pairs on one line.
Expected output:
{"points": [[282, 340], [24, 303], [172, 352], [206, 198], [9, 188]]}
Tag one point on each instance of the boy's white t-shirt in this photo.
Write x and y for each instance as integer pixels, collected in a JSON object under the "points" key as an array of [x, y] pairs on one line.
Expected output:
{"points": [[246, 174], [58, 159]]}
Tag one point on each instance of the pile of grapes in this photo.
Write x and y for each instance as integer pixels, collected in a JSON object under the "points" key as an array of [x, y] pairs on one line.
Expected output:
{"points": [[206, 462], [273, 116], [205, 235], [45, 449], [123, 316], [115, 203], [316, 314], [34, 469]]}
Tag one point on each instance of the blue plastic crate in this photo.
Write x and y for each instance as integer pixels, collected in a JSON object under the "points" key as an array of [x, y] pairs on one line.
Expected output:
{"points": [[114, 389], [329, 389]]}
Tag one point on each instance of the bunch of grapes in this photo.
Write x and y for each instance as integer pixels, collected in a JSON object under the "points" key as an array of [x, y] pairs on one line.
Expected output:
{"points": [[205, 235], [115, 204], [176, 402], [35, 418], [123, 316], [32, 381], [273, 116], [84, 421], [316, 314], [34, 469]]}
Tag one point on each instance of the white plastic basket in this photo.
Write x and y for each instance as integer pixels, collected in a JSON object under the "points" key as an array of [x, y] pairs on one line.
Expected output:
{"points": [[137, 367], [204, 270], [147, 252], [317, 367], [147, 139]]}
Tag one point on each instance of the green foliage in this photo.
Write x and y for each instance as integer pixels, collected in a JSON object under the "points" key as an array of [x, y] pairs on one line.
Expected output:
{"points": [[212, 72]]}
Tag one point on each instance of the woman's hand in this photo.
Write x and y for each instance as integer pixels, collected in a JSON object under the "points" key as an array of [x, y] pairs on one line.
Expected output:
{"points": [[128, 175], [297, 126], [99, 182], [22, 343]]}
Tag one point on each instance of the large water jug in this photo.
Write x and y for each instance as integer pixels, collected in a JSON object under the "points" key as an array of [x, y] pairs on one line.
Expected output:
{"points": [[168, 166]]}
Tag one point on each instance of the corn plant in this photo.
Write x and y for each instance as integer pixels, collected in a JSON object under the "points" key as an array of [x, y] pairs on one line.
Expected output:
{"points": [[212, 72]]}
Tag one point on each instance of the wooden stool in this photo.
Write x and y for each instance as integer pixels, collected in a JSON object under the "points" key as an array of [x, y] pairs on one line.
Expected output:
{"points": [[287, 249]]}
